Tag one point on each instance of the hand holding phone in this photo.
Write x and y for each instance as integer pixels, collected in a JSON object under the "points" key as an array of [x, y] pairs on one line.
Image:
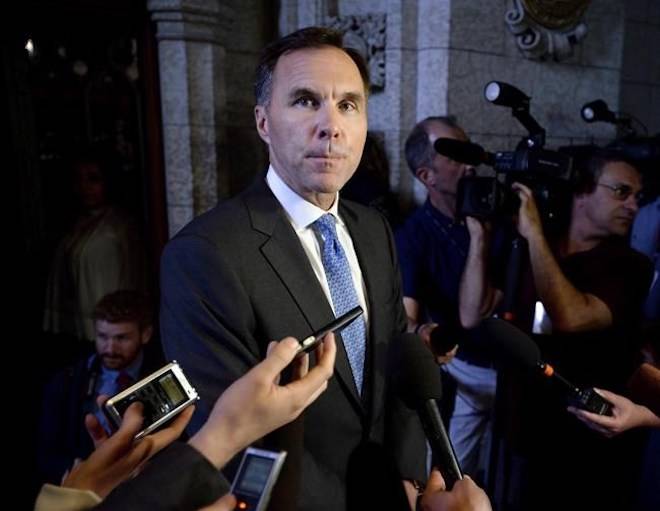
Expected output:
{"points": [[337, 325]]}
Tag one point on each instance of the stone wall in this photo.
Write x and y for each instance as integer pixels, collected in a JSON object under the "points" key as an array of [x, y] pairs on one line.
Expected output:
{"points": [[191, 67], [438, 56], [253, 25], [483, 49], [640, 73], [441, 53]]}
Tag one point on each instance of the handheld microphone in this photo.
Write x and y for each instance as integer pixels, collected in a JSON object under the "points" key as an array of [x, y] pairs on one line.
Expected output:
{"points": [[523, 351], [417, 380], [518, 250], [444, 339], [463, 152]]}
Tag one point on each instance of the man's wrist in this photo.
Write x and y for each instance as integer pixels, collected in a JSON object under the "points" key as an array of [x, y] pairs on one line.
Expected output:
{"points": [[214, 446]]}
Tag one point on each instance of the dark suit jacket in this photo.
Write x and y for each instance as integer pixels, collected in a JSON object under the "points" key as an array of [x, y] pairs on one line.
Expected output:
{"points": [[236, 278]]}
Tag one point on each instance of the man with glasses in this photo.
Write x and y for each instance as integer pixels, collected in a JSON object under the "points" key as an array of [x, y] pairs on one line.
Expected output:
{"points": [[591, 286]]}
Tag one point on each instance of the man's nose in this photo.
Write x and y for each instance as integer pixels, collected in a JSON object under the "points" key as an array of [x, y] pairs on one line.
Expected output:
{"points": [[112, 346], [632, 202], [329, 123], [468, 170]]}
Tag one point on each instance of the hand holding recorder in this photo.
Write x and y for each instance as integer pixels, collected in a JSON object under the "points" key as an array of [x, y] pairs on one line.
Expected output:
{"points": [[250, 408], [256, 404], [117, 457]]}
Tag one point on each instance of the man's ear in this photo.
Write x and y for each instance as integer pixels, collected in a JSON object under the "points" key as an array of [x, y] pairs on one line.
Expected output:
{"points": [[425, 175], [579, 201], [146, 333], [261, 120]]}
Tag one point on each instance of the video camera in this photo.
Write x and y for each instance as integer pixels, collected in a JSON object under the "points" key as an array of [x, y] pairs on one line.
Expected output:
{"points": [[547, 173]]}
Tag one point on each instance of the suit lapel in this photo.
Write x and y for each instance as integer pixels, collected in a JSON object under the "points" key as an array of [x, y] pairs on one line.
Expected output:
{"points": [[368, 254], [283, 251]]}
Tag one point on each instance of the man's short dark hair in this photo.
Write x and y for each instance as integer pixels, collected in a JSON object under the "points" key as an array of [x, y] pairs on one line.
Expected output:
{"points": [[589, 169], [124, 306], [418, 149], [310, 37]]}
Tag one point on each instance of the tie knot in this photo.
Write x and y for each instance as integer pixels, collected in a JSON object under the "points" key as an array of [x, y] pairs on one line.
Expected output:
{"points": [[325, 226]]}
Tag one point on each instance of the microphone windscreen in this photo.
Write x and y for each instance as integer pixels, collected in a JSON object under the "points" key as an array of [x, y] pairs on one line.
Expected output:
{"points": [[460, 150], [510, 343], [415, 374]]}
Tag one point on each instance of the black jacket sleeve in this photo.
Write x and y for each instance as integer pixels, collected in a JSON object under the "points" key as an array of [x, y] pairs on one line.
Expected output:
{"points": [[178, 478]]}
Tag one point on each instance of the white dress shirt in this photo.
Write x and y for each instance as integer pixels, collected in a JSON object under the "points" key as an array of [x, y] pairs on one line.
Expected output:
{"points": [[302, 214]]}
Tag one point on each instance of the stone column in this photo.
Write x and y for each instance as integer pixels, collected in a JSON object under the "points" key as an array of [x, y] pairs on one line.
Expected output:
{"points": [[193, 102], [295, 14]]}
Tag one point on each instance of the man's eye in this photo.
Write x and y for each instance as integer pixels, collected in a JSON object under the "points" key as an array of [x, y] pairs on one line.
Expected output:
{"points": [[348, 106], [622, 191], [305, 101]]}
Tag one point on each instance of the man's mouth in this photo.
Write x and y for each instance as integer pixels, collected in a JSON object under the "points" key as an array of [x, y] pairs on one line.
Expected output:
{"points": [[325, 156]]}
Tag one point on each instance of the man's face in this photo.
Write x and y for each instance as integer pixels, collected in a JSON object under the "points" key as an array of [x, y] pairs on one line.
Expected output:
{"points": [[118, 344], [605, 212], [316, 122], [90, 185], [442, 177]]}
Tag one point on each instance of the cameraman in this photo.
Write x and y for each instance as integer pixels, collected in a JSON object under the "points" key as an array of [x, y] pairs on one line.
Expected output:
{"points": [[592, 287], [433, 248]]}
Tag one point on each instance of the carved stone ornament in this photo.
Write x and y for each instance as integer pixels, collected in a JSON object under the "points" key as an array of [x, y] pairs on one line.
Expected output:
{"points": [[366, 34], [547, 28]]}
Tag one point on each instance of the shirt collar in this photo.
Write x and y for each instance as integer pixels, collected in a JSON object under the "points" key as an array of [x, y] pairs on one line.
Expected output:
{"points": [[133, 369], [301, 212], [439, 215]]}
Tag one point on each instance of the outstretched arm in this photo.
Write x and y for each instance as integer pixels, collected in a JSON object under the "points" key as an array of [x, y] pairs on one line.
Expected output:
{"points": [[625, 415], [186, 476], [118, 457], [256, 404]]}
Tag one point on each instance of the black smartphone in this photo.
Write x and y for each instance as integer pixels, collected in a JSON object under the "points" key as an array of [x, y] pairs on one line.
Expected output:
{"points": [[336, 325], [591, 401]]}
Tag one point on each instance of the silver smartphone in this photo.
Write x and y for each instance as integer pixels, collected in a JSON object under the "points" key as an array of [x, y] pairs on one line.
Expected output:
{"points": [[256, 477], [164, 394]]}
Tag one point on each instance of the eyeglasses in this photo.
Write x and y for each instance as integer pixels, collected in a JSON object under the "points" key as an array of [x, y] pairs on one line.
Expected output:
{"points": [[622, 192]]}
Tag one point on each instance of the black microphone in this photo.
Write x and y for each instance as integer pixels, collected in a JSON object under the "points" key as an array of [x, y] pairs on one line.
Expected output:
{"points": [[417, 381], [463, 152], [512, 282], [444, 338], [516, 346], [504, 94], [597, 111]]}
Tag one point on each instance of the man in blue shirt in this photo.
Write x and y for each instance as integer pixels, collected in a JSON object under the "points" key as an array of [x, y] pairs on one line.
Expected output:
{"points": [[123, 325], [433, 247]]}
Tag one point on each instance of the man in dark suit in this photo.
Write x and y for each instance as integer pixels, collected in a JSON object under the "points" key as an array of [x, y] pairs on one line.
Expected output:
{"points": [[284, 258]]}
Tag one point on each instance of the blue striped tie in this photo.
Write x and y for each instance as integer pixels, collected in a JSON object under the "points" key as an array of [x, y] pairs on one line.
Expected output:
{"points": [[342, 290]]}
